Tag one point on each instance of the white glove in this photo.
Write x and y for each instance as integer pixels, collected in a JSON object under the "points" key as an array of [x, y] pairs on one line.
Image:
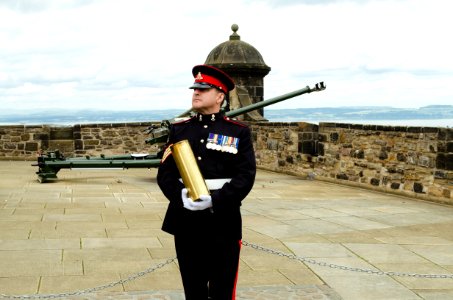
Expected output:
{"points": [[185, 199], [204, 203]]}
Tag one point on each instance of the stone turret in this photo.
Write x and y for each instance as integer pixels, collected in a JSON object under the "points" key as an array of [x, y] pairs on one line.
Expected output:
{"points": [[246, 66]]}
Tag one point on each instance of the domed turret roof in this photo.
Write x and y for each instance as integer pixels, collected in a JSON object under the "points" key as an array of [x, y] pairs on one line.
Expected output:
{"points": [[236, 53]]}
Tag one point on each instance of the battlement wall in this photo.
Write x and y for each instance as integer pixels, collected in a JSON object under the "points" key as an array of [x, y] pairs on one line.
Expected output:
{"points": [[411, 161]]}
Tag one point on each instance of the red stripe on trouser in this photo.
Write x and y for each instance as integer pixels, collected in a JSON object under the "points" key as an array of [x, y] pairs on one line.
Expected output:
{"points": [[237, 273]]}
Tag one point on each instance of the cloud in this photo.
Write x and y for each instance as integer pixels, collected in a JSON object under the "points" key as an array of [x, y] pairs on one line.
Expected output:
{"points": [[139, 54], [33, 6]]}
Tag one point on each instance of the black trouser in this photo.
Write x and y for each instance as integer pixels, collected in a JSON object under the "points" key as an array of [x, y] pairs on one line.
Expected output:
{"points": [[208, 266]]}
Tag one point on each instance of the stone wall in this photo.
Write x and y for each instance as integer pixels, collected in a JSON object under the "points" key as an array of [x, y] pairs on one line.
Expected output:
{"points": [[412, 161], [25, 142], [111, 139]]}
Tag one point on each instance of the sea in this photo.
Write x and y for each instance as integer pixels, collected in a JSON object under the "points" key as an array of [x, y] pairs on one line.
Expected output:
{"points": [[442, 118], [409, 122], [447, 123]]}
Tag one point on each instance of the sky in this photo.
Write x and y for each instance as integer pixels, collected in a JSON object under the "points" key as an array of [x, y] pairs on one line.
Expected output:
{"points": [[138, 54]]}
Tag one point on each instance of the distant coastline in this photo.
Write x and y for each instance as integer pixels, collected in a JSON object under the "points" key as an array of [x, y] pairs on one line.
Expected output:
{"points": [[428, 116], [409, 122]]}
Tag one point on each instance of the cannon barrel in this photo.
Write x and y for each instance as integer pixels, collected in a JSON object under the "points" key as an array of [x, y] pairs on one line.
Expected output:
{"points": [[234, 113], [160, 134]]}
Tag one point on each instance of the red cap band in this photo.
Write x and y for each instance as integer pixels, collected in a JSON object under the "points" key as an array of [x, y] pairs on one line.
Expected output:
{"points": [[203, 78]]}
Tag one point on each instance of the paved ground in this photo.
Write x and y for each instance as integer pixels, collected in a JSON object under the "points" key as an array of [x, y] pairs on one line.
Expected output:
{"points": [[96, 227]]}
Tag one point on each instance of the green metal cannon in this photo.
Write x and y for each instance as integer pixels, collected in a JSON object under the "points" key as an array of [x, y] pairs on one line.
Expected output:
{"points": [[52, 162]]}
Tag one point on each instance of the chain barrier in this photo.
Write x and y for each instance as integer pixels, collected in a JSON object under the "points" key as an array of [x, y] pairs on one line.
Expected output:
{"points": [[94, 289], [245, 243], [345, 268]]}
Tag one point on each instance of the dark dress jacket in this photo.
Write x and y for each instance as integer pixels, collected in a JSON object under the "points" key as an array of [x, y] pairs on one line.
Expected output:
{"points": [[224, 219]]}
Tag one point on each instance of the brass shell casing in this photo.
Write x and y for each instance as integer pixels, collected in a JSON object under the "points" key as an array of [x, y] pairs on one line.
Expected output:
{"points": [[189, 170]]}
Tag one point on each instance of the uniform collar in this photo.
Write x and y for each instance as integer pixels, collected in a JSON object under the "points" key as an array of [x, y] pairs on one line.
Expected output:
{"points": [[209, 117]]}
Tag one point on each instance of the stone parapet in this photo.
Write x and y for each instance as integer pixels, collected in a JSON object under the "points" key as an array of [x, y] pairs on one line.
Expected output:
{"points": [[411, 161], [23, 142], [26, 142]]}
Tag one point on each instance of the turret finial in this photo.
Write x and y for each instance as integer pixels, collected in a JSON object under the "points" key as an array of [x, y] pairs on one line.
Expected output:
{"points": [[234, 35]]}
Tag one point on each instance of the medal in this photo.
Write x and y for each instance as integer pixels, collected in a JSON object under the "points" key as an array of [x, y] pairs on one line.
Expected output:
{"points": [[210, 142], [218, 142], [229, 147], [235, 146], [222, 143]]}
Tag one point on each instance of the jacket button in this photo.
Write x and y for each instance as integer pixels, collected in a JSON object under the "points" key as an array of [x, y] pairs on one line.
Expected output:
{"points": [[205, 126], [199, 157], [201, 141]]}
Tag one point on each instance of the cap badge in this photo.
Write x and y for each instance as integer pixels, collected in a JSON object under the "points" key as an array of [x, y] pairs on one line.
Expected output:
{"points": [[199, 77]]}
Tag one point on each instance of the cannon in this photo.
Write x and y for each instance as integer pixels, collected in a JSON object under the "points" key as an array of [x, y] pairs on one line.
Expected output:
{"points": [[50, 163]]}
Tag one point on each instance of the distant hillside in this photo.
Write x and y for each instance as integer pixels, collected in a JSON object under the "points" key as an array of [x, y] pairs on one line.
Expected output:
{"points": [[322, 114], [363, 113]]}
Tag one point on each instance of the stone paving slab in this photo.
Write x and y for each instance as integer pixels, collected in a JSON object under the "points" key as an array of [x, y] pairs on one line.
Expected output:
{"points": [[294, 292], [93, 227]]}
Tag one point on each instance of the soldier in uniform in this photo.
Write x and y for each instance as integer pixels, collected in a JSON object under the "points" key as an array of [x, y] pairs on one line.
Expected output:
{"points": [[208, 232]]}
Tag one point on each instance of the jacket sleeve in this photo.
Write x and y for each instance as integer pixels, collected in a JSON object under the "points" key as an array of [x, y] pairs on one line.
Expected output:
{"points": [[232, 193], [168, 177]]}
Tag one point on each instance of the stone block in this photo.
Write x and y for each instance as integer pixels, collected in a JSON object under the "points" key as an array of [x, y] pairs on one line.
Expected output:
{"points": [[441, 161], [436, 191], [342, 176], [358, 153], [425, 161], [129, 144], [272, 144], [41, 136], [9, 146], [78, 144], [25, 137], [445, 134], [45, 144], [322, 137], [383, 155], [306, 136], [449, 147], [289, 159], [109, 133], [308, 147], [334, 136], [65, 146], [449, 161], [375, 181], [61, 133], [395, 185], [32, 146], [91, 142], [418, 187]]}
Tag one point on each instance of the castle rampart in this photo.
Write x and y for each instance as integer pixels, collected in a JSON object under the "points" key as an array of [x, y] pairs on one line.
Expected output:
{"points": [[411, 161]]}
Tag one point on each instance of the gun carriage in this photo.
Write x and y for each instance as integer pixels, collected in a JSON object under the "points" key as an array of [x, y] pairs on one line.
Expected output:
{"points": [[50, 163]]}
